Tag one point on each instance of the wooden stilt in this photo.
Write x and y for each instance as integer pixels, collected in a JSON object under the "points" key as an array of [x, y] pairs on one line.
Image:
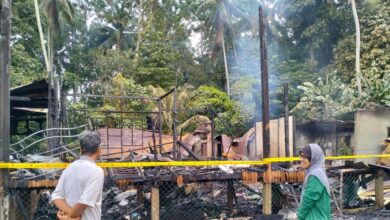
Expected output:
{"points": [[379, 188], [140, 196], [267, 192], [230, 195], [155, 203]]}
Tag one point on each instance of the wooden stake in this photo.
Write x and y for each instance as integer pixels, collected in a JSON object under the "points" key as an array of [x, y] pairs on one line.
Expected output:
{"points": [[341, 190], [379, 188], [155, 203], [230, 195], [267, 192], [140, 195]]}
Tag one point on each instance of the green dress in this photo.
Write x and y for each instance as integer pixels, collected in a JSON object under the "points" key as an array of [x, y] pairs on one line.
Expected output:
{"points": [[315, 203]]}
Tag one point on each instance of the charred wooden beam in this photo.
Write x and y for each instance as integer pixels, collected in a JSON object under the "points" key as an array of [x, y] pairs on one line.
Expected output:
{"points": [[286, 122], [264, 83], [174, 124], [230, 195], [379, 191], [30, 104], [133, 178], [33, 184], [265, 107], [276, 177], [140, 195]]}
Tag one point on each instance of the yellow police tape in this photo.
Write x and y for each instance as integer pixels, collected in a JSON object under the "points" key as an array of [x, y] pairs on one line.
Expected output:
{"points": [[4, 165]]}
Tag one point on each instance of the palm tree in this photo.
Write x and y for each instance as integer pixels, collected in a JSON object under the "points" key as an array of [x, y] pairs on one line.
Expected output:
{"points": [[116, 30], [219, 25], [42, 38], [357, 54], [59, 13], [183, 97], [167, 102]]}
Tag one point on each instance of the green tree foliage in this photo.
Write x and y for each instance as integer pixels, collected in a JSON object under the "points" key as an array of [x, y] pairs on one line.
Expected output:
{"points": [[26, 63], [375, 58], [310, 29], [98, 109], [327, 99], [167, 104], [24, 67], [114, 47], [158, 62], [164, 55], [114, 25], [207, 98]]}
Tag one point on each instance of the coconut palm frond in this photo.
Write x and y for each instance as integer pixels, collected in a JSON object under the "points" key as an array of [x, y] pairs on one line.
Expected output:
{"points": [[194, 120]]}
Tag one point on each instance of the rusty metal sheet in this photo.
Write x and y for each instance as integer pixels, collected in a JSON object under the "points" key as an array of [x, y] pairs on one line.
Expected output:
{"points": [[117, 143]]}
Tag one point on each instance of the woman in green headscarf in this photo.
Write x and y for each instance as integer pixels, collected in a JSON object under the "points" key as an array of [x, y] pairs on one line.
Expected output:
{"points": [[315, 197]]}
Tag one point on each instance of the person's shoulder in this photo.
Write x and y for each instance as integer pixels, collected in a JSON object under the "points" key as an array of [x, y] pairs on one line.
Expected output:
{"points": [[314, 180], [71, 166], [97, 168]]}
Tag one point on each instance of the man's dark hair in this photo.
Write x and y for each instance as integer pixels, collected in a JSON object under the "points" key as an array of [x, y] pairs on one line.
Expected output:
{"points": [[89, 141]]}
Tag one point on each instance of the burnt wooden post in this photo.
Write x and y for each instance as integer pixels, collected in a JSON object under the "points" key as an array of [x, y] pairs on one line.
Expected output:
{"points": [[341, 189], [212, 135], [209, 143], [5, 56], [160, 125], [174, 125], [52, 113], [379, 190], [267, 193], [230, 195], [155, 197], [264, 84], [286, 122], [140, 195], [154, 142]]}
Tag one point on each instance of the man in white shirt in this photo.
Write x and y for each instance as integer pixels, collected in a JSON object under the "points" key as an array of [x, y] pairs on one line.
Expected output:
{"points": [[79, 190]]}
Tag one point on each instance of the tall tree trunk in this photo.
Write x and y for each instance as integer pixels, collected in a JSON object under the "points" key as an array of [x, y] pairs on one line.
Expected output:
{"points": [[62, 116], [357, 54], [145, 28], [5, 56], [311, 52], [226, 67], [140, 28], [42, 39], [52, 94]]}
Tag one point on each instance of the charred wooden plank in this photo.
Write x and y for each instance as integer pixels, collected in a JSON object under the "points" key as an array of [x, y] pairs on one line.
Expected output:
{"points": [[34, 184]]}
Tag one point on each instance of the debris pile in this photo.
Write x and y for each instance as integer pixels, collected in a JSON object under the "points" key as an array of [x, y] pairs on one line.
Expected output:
{"points": [[118, 204], [28, 174]]}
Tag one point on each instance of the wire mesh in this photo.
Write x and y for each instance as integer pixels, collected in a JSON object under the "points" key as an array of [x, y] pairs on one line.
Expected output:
{"points": [[209, 200], [32, 204]]}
